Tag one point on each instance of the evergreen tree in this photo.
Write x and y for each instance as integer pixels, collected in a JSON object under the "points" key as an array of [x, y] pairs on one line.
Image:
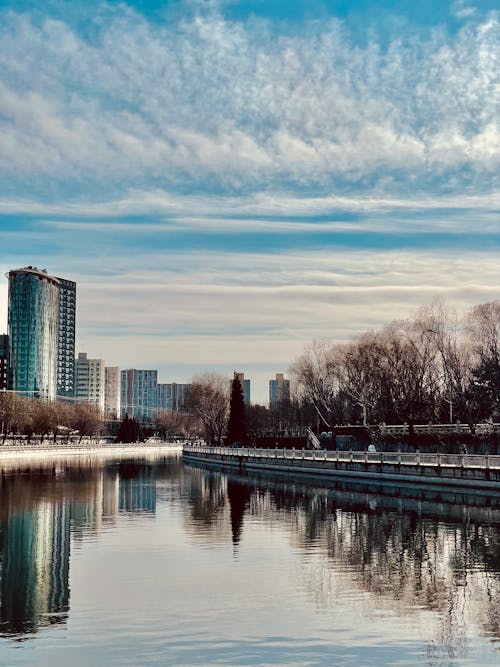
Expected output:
{"points": [[236, 429], [129, 430]]}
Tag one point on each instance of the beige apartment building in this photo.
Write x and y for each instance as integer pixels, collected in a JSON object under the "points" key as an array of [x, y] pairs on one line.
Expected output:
{"points": [[112, 391], [90, 380]]}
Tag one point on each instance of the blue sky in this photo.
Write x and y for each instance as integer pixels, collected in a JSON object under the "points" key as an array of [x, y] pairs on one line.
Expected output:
{"points": [[228, 180]]}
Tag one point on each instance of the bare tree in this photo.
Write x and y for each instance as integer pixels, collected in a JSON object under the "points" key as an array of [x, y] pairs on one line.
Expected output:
{"points": [[170, 422], [483, 327], [11, 406], [315, 377], [409, 384], [456, 360], [208, 399], [86, 419], [358, 373]]}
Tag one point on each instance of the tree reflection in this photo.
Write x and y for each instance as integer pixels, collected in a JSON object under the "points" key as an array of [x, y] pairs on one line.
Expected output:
{"points": [[409, 553], [238, 495]]}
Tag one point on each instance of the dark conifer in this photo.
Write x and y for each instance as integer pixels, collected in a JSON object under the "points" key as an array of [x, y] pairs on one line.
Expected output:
{"points": [[236, 429], [129, 430]]}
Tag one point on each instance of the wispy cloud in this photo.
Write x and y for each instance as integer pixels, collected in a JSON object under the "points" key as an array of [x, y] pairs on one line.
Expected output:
{"points": [[462, 9], [229, 106], [205, 176]]}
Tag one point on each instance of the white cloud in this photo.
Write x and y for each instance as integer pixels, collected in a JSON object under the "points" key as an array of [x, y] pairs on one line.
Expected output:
{"points": [[161, 202], [188, 310], [462, 10], [216, 104]]}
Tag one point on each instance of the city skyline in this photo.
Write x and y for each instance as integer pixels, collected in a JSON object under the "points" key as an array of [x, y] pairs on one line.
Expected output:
{"points": [[322, 169]]}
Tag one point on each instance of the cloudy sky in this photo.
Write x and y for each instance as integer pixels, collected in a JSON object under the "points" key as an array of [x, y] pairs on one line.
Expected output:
{"points": [[227, 180]]}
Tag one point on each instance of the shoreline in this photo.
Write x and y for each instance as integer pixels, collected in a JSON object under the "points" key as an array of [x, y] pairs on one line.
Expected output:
{"points": [[453, 471], [48, 452]]}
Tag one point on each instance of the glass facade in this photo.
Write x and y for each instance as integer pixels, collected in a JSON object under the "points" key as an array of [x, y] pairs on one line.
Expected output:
{"points": [[139, 393], [66, 345], [279, 390], [33, 332], [4, 361], [171, 396]]}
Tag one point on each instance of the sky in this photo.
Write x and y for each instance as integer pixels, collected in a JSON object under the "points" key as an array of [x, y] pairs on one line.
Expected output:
{"points": [[227, 181]]}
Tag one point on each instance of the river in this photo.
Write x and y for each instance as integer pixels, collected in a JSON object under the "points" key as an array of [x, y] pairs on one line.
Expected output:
{"points": [[152, 562]]}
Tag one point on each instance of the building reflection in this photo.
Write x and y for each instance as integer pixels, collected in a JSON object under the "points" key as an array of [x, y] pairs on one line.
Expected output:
{"points": [[35, 567], [44, 511]]}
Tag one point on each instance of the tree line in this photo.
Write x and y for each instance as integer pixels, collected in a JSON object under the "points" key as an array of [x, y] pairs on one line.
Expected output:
{"points": [[435, 366], [432, 367], [31, 417]]}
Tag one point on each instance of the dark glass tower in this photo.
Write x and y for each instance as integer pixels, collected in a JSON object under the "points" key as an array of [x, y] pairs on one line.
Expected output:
{"points": [[4, 361], [66, 343], [33, 323]]}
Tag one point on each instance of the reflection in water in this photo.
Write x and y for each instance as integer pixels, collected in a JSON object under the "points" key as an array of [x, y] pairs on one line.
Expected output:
{"points": [[418, 557], [238, 495], [408, 550], [41, 510], [35, 567]]}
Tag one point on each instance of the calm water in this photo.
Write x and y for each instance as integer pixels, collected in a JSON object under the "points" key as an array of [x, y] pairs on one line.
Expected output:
{"points": [[152, 562]]}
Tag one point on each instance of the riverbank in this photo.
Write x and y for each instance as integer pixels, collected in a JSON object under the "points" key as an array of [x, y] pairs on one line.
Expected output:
{"points": [[452, 470], [49, 450]]}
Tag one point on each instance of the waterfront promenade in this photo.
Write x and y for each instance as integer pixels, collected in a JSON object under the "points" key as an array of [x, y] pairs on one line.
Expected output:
{"points": [[88, 446], [459, 470]]}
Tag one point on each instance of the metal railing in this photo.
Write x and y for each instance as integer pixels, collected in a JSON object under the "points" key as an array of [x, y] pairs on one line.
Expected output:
{"points": [[48, 444], [404, 429], [483, 462]]}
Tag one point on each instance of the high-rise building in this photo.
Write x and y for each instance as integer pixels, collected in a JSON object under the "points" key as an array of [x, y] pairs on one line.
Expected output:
{"points": [[4, 361], [279, 390], [139, 393], [33, 323], [245, 387], [112, 391], [171, 396], [42, 312], [66, 342], [89, 380]]}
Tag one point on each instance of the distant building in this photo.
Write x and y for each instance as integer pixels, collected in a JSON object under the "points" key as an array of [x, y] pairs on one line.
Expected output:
{"points": [[90, 380], [279, 390], [66, 341], [112, 391], [171, 396], [33, 322], [245, 386], [139, 393], [4, 361]]}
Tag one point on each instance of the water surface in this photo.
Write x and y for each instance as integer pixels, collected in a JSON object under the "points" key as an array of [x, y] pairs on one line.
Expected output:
{"points": [[150, 562]]}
